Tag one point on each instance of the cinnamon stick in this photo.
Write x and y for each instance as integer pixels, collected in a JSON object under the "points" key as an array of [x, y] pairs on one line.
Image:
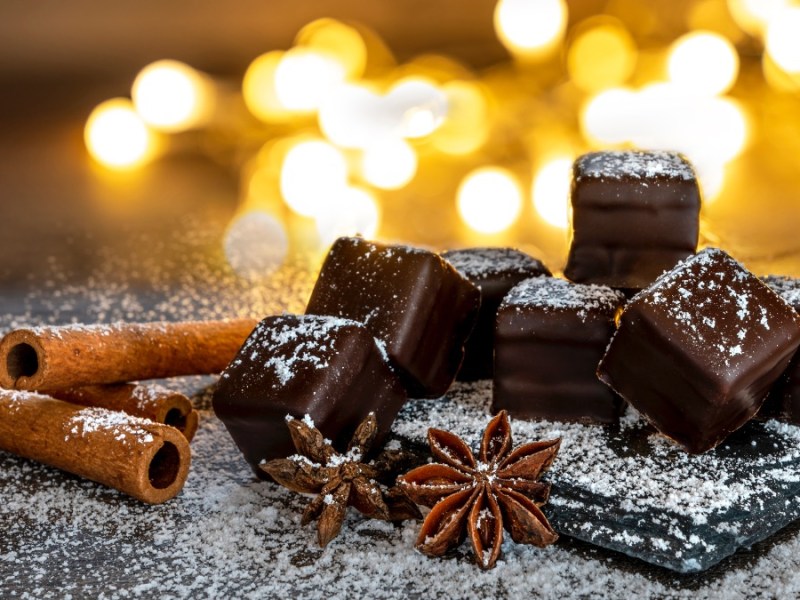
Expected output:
{"points": [[58, 358], [147, 460], [154, 402]]}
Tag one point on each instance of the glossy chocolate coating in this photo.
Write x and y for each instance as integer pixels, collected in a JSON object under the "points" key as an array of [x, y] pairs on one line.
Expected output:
{"points": [[783, 401], [550, 336], [412, 299], [634, 215], [698, 350], [329, 368], [495, 271]]}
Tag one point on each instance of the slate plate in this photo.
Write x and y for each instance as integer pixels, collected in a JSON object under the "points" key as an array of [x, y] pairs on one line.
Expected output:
{"points": [[629, 489]]}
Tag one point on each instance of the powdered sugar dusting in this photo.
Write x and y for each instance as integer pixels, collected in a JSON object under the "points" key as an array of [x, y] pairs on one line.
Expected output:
{"points": [[480, 263], [787, 288], [554, 294], [634, 164], [124, 428]]}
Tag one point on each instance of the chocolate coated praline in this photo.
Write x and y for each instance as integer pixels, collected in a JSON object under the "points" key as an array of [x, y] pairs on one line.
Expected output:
{"points": [[329, 368], [550, 336], [495, 271], [634, 215], [411, 299], [783, 402], [698, 350]]}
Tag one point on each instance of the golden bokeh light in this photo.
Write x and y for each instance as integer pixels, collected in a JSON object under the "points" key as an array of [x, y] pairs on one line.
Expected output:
{"points": [[530, 28], [350, 211], [350, 117], [303, 77], [754, 15], [601, 55], [703, 63], [172, 96], [712, 180], [338, 40], [605, 116], [389, 164], [551, 187], [418, 106], [783, 40], [489, 199], [258, 88], [466, 127], [255, 244], [117, 137], [311, 172]]}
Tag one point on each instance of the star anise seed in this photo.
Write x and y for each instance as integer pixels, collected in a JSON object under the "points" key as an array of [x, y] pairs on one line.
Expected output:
{"points": [[481, 497], [339, 480]]}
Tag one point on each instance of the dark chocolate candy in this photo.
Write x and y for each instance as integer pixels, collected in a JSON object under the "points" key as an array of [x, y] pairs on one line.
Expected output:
{"points": [[634, 215], [495, 271], [698, 350], [329, 368], [550, 336], [412, 299], [783, 401]]}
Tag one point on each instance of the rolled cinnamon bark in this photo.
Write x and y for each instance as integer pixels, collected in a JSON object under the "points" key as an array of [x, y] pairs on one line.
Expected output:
{"points": [[154, 402], [144, 459], [58, 358]]}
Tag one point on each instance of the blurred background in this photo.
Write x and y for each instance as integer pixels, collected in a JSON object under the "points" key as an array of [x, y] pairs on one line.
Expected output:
{"points": [[254, 133]]}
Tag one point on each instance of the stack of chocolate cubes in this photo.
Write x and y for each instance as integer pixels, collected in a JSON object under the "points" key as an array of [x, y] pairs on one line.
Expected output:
{"points": [[696, 349]]}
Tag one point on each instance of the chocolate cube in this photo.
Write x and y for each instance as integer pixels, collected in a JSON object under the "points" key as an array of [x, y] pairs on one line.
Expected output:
{"points": [[495, 271], [412, 299], [698, 350], [634, 216], [550, 336], [329, 368], [783, 401]]}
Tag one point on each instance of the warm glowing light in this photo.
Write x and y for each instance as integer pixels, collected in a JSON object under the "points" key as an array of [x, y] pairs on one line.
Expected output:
{"points": [[601, 56], [551, 192], [258, 88], [712, 179], [389, 164], [350, 211], [172, 96], [753, 15], [783, 40], [255, 244], [489, 199], [351, 117], [466, 127], [703, 63], [116, 136], [606, 117], [303, 77], [530, 27], [338, 40], [418, 106], [312, 171]]}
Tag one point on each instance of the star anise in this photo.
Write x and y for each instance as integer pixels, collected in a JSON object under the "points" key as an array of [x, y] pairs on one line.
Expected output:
{"points": [[339, 480], [481, 497]]}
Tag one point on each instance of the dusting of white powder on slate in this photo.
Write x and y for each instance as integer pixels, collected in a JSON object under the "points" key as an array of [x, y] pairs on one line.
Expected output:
{"points": [[633, 164]]}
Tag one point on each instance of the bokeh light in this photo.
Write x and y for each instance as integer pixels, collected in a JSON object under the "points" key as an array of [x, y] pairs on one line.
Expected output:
{"points": [[303, 77], [529, 28], [418, 106], [258, 88], [754, 15], [255, 244], [551, 187], [117, 137], [389, 164], [172, 96], [350, 211], [783, 40], [605, 116], [312, 171], [703, 63], [602, 55], [337, 40], [489, 199], [466, 127], [351, 117]]}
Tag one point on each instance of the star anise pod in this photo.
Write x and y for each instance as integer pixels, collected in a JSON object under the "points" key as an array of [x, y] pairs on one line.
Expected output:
{"points": [[481, 497], [339, 480]]}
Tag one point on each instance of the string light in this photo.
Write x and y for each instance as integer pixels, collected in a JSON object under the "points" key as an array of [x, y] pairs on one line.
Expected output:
{"points": [[351, 211], [530, 28], [117, 137], [389, 164], [703, 63], [551, 188], [172, 96], [255, 244], [312, 170], [489, 199]]}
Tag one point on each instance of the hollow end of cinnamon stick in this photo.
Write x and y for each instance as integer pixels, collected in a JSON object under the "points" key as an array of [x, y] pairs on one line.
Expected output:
{"points": [[22, 360], [167, 469]]}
